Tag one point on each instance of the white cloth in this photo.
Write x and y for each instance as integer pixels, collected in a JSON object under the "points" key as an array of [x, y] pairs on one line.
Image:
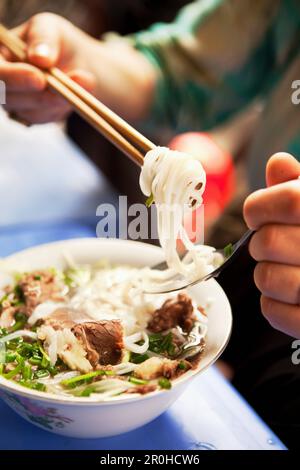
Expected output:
{"points": [[43, 176]]}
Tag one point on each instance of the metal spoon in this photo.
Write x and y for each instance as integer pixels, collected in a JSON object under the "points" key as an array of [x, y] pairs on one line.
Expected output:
{"points": [[180, 283], [194, 342]]}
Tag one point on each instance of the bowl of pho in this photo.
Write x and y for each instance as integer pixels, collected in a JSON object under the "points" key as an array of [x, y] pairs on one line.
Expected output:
{"points": [[85, 352]]}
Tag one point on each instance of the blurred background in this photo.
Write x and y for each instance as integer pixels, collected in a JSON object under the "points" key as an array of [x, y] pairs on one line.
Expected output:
{"points": [[53, 177]]}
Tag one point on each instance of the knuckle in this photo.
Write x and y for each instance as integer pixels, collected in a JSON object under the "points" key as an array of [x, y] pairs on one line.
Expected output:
{"points": [[264, 276], [266, 305], [264, 242], [44, 16], [292, 200], [252, 209], [248, 210]]}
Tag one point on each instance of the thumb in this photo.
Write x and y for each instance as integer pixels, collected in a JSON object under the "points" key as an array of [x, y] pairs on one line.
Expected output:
{"points": [[84, 79], [44, 40], [282, 167]]}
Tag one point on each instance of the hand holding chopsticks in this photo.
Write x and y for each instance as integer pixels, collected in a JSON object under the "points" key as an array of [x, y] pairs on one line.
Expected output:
{"points": [[131, 142]]}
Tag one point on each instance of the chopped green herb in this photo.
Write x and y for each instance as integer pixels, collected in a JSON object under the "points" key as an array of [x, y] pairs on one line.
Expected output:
{"points": [[52, 370], [150, 200], [35, 360], [3, 332], [14, 372], [228, 250], [14, 343], [21, 320], [41, 373], [37, 278], [45, 362], [27, 372], [160, 344], [138, 358], [87, 391], [20, 359], [136, 381], [182, 365], [165, 383], [25, 350], [19, 294], [33, 385], [10, 357], [5, 297], [85, 378]]}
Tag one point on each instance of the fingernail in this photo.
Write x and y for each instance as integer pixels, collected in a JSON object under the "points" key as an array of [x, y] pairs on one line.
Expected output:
{"points": [[42, 50]]}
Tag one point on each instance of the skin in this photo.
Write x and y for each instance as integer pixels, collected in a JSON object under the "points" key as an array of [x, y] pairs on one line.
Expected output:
{"points": [[116, 73], [125, 80], [275, 213]]}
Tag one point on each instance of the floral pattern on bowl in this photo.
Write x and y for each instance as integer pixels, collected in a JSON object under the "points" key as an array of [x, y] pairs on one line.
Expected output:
{"points": [[46, 417]]}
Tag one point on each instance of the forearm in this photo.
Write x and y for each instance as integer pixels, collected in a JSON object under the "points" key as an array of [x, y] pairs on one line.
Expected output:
{"points": [[117, 74], [125, 79]]}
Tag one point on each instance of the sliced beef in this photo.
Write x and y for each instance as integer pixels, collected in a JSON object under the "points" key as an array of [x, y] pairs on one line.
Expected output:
{"points": [[103, 341], [37, 287], [7, 315], [61, 318], [64, 317], [143, 389], [173, 312]]}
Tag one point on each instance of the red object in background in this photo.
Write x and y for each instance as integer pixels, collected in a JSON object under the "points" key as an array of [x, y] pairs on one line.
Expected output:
{"points": [[217, 163]]}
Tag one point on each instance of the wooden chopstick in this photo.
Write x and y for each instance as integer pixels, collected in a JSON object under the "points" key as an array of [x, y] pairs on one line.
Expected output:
{"points": [[96, 113], [120, 124]]}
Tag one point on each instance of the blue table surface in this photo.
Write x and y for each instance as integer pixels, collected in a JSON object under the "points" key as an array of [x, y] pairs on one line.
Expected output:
{"points": [[209, 415]]}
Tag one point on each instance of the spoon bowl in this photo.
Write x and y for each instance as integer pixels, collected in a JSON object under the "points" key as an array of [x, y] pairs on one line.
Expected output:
{"points": [[178, 282]]}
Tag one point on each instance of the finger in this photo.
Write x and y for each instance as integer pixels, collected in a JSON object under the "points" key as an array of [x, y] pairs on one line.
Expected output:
{"points": [[278, 281], [18, 101], [84, 79], [6, 53], [38, 116], [282, 316], [277, 204], [282, 167], [30, 101], [43, 40], [277, 243], [21, 77]]}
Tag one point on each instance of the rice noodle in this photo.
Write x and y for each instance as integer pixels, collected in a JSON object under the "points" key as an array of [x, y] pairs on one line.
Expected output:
{"points": [[17, 334], [59, 378], [106, 388], [117, 294], [43, 311], [124, 368], [130, 342], [49, 336], [177, 182], [2, 353]]}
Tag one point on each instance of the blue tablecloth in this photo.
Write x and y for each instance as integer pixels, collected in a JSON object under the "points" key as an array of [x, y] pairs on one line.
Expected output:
{"points": [[209, 415]]}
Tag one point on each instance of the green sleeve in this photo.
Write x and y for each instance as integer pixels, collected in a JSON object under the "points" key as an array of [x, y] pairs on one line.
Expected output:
{"points": [[211, 61]]}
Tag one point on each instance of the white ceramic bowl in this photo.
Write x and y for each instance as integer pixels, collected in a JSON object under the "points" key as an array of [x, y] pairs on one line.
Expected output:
{"points": [[80, 417]]}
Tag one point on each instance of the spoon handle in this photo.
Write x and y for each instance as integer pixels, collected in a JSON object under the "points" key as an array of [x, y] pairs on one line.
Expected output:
{"points": [[243, 240], [236, 250]]}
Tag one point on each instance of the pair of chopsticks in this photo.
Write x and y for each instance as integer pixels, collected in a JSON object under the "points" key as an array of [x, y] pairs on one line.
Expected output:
{"points": [[127, 139]]}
